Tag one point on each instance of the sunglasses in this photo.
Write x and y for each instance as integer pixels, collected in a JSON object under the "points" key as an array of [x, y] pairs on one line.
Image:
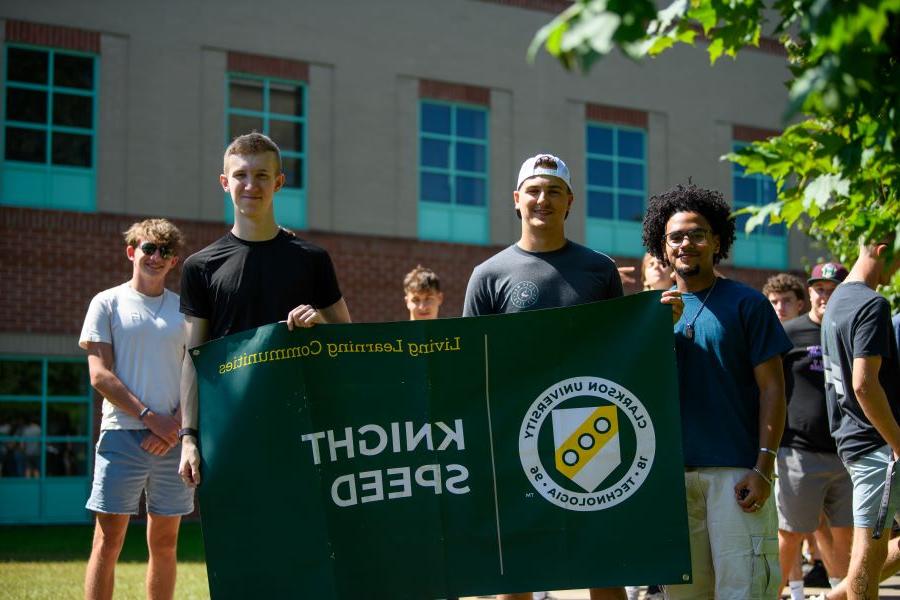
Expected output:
{"points": [[149, 248]]}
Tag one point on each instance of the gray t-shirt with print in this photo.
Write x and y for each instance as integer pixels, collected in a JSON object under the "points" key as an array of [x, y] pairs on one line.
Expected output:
{"points": [[514, 280]]}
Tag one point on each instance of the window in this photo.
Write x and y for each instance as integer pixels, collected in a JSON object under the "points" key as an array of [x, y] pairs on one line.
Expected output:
{"points": [[616, 188], [45, 439], [49, 128], [453, 168], [277, 108], [766, 246]]}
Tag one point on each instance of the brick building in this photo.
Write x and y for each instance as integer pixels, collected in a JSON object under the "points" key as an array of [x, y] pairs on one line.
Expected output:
{"points": [[402, 123]]}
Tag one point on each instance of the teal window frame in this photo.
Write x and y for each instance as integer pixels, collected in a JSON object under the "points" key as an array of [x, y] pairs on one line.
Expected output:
{"points": [[615, 236], [290, 202], [766, 247], [452, 221], [46, 185], [49, 498]]}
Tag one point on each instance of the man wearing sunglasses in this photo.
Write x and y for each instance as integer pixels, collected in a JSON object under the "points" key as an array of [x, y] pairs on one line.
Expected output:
{"points": [[728, 344], [134, 335]]}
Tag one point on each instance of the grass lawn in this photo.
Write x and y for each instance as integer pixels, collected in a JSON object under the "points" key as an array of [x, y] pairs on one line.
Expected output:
{"points": [[48, 563]]}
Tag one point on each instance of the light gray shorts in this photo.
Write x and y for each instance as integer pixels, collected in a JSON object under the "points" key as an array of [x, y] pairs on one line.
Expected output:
{"points": [[808, 483], [868, 474], [122, 470]]}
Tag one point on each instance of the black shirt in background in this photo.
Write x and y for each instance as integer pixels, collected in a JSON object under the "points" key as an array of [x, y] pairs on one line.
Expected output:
{"points": [[806, 427]]}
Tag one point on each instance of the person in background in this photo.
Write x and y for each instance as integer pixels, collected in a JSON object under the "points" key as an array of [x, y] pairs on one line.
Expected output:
{"points": [[862, 388], [811, 476], [422, 293], [785, 292], [656, 274]]}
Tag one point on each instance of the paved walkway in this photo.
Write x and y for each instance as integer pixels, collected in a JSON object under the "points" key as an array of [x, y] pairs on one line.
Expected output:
{"points": [[889, 589]]}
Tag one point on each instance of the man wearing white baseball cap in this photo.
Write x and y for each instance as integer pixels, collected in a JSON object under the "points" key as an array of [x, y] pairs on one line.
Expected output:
{"points": [[544, 269]]}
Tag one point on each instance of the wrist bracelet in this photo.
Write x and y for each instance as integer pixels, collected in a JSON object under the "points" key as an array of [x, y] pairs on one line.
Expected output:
{"points": [[144, 413], [188, 431], [769, 451], [763, 475]]}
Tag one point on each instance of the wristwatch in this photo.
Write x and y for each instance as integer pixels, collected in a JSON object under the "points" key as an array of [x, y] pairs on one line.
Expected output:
{"points": [[144, 412], [188, 431]]}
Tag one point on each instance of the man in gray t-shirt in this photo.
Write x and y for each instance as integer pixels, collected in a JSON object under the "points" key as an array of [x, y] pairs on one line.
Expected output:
{"points": [[544, 269]]}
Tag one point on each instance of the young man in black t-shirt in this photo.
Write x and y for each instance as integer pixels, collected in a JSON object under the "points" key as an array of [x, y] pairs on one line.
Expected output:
{"points": [[810, 474], [256, 274], [862, 375]]}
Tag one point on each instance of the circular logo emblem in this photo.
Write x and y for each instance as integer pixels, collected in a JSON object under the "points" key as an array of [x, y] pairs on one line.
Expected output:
{"points": [[524, 294], [598, 447]]}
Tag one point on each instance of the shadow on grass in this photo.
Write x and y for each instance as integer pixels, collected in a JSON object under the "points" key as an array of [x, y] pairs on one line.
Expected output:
{"points": [[57, 543]]}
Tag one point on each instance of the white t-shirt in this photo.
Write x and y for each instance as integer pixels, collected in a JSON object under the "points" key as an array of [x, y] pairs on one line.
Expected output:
{"points": [[148, 336]]}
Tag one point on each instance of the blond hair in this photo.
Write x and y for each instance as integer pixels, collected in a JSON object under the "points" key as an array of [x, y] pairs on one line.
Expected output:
{"points": [[161, 231], [251, 144]]}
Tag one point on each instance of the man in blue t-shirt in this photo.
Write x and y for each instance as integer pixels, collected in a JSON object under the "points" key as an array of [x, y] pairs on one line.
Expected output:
{"points": [[731, 384], [862, 389]]}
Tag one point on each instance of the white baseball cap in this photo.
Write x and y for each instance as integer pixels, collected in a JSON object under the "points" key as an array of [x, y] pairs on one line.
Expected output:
{"points": [[530, 169]]}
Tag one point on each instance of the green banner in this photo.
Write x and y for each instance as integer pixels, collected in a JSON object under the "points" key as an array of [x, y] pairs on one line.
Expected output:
{"points": [[456, 457]]}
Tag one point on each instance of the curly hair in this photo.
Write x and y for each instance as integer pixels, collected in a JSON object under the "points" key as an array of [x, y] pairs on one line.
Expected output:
{"points": [[421, 279], [687, 198], [783, 283]]}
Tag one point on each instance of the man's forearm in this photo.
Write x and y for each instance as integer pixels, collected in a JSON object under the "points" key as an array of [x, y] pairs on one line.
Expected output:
{"points": [[114, 391], [189, 404], [772, 409]]}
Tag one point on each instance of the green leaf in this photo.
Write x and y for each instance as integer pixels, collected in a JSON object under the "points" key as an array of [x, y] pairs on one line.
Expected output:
{"points": [[716, 48], [821, 189]]}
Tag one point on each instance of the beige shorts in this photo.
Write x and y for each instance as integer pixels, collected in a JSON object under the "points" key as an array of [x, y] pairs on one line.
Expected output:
{"points": [[734, 555]]}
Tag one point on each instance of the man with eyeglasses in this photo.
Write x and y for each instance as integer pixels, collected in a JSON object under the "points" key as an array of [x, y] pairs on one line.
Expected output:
{"points": [[135, 339], [731, 385], [544, 269]]}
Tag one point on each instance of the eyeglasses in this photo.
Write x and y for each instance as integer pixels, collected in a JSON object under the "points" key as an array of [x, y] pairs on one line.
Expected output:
{"points": [[698, 237], [149, 248]]}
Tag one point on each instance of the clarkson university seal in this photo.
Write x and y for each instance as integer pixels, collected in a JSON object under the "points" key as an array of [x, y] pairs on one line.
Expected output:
{"points": [[586, 443]]}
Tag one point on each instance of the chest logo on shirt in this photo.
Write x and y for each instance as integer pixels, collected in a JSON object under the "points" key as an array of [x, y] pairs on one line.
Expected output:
{"points": [[597, 448], [815, 356], [524, 294]]}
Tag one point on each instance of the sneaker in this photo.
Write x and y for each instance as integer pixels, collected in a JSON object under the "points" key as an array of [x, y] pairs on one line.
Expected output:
{"points": [[817, 576]]}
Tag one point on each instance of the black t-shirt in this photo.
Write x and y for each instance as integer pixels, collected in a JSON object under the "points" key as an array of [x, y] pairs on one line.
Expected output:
{"points": [[857, 324], [806, 427], [238, 285]]}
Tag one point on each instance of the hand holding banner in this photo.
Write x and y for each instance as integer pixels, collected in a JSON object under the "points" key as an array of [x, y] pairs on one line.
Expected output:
{"points": [[538, 450]]}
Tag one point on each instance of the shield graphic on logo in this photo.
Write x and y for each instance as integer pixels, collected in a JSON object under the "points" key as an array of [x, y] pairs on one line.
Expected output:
{"points": [[587, 444]]}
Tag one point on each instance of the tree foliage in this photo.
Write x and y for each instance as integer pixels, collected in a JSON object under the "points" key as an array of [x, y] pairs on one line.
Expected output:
{"points": [[837, 167]]}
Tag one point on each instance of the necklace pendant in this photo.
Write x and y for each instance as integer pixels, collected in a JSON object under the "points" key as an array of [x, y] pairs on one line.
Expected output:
{"points": [[689, 332]]}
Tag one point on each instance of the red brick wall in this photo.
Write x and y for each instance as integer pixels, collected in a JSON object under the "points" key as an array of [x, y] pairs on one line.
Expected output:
{"points": [[746, 133], [269, 66], [616, 115], [53, 262], [454, 92], [53, 35]]}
